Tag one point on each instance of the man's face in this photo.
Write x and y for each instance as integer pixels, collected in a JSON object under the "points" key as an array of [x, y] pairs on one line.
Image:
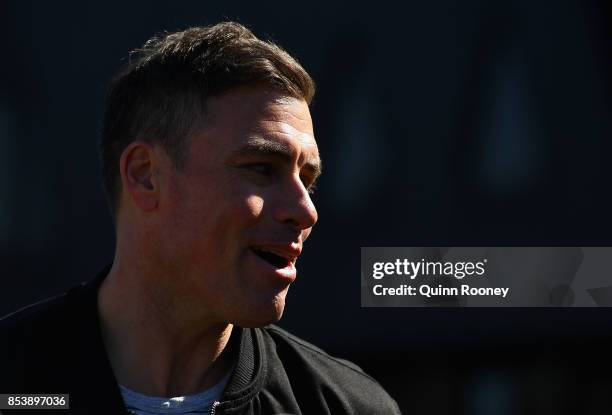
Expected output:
{"points": [[236, 216]]}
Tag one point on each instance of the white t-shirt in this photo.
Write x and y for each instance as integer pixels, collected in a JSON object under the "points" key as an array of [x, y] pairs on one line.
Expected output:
{"points": [[200, 403]]}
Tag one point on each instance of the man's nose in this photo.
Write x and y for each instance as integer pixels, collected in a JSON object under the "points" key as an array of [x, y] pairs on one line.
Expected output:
{"points": [[294, 206]]}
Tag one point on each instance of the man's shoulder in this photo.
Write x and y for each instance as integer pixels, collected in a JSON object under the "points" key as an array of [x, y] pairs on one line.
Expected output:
{"points": [[72, 306], [282, 338], [38, 328], [307, 364], [31, 339], [36, 316]]}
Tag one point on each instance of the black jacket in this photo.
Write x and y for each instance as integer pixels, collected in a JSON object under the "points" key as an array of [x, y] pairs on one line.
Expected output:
{"points": [[55, 346]]}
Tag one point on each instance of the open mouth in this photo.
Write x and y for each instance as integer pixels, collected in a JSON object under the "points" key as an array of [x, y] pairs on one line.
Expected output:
{"points": [[271, 258]]}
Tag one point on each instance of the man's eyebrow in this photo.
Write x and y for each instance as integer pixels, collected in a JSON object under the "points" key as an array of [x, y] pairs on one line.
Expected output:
{"points": [[262, 146]]}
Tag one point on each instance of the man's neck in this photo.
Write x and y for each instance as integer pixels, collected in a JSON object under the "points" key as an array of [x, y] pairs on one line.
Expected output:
{"points": [[152, 348]]}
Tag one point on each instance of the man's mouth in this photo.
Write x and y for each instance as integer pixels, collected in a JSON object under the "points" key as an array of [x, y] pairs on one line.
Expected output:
{"points": [[274, 259]]}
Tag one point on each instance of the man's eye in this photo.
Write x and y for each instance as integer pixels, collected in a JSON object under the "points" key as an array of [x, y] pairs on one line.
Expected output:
{"points": [[261, 168], [308, 183]]}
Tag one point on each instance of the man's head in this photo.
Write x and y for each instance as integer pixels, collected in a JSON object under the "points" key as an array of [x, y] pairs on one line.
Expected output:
{"points": [[208, 156], [161, 96]]}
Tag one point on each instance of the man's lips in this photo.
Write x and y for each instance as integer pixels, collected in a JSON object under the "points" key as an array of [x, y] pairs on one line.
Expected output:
{"points": [[278, 255], [282, 267]]}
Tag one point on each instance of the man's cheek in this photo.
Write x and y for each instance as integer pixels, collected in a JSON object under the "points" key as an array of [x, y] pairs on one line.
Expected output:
{"points": [[252, 207]]}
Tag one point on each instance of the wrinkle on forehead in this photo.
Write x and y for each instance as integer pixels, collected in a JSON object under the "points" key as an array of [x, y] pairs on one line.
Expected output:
{"points": [[284, 128], [293, 112], [266, 102]]}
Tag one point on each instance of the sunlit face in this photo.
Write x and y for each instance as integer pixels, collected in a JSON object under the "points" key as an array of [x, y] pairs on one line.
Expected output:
{"points": [[237, 215]]}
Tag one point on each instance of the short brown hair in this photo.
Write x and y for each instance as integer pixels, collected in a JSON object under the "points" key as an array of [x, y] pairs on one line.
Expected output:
{"points": [[160, 95]]}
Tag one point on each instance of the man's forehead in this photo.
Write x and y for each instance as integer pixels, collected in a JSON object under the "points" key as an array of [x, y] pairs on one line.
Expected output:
{"points": [[285, 128], [252, 119]]}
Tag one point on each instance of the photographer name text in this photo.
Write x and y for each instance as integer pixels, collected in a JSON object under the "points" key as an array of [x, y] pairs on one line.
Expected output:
{"points": [[404, 268]]}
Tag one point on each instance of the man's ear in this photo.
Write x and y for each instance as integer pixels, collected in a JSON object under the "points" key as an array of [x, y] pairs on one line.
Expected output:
{"points": [[139, 166]]}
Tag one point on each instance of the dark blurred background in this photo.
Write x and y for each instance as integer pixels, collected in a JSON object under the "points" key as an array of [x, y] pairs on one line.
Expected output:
{"points": [[440, 123]]}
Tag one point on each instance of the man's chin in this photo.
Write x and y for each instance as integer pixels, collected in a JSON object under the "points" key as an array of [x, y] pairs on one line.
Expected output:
{"points": [[264, 315]]}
